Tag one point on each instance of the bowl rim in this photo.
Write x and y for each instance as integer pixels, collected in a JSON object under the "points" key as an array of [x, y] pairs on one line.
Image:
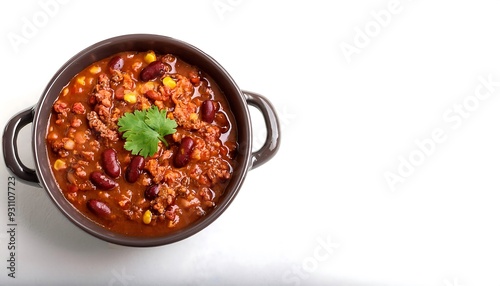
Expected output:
{"points": [[77, 62]]}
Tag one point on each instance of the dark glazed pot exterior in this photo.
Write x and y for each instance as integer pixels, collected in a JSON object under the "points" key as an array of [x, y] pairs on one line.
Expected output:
{"points": [[39, 115]]}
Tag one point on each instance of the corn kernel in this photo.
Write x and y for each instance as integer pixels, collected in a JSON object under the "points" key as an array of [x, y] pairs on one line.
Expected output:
{"points": [[150, 57], [196, 154], [81, 80], [168, 81], [146, 218], [170, 115], [59, 165], [130, 98], [95, 69], [193, 116]]}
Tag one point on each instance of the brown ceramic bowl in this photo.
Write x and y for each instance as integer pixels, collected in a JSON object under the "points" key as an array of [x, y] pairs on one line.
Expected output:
{"points": [[39, 116]]}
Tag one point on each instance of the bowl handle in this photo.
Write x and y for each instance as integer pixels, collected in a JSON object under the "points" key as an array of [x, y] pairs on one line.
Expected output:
{"points": [[10, 151], [272, 143]]}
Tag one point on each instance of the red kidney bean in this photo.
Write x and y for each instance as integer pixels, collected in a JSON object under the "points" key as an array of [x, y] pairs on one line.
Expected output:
{"points": [[99, 208], [116, 63], [134, 169], [120, 92], [208, 110], [153, 70], [102, 181], [184, 152], [152, 192], [110, 163], [222, 121], [154, 95]]}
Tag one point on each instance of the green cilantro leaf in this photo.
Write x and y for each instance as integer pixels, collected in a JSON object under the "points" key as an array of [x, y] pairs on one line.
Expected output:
{"points": [[155, 119], [143, 129]]}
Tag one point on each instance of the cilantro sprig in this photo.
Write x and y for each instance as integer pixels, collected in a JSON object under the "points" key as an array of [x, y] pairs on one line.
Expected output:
{"points": [[143, 129]]}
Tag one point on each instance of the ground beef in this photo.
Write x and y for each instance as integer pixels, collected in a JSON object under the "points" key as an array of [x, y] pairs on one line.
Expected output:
{"points": [[100, 128], [78, 108]]}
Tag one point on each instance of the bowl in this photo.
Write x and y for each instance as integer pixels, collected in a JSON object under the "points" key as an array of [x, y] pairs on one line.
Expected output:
{"points": [[38, 115]]}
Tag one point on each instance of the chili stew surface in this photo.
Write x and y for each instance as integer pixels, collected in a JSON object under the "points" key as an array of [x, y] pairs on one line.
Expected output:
{"points": [[109, 175]]}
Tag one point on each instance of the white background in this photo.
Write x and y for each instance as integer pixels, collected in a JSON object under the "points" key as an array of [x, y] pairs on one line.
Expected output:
{"points": [[347, 120]]}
